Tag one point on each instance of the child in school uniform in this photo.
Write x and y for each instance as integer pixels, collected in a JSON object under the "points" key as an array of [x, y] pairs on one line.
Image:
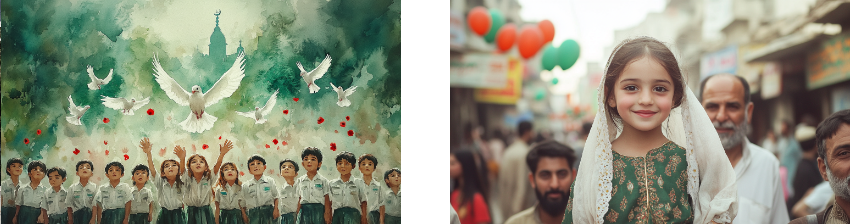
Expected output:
{"points": [[347, 200], [141, 211], [169, 185], [288, 201], [113, 199], [391, 209], [199, 183], [313, 189], [14, 168], [30, 199], [228, 196], [260, 193], [81, 194], [58, 211], [370, 187]]}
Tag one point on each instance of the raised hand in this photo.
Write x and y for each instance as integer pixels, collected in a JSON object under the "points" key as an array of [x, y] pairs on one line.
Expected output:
{"points": [[228, 145], [180, 152], [145, 144]]}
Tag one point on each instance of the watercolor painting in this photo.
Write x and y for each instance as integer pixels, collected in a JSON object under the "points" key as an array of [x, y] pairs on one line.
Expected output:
{"points": [[85, 79]]}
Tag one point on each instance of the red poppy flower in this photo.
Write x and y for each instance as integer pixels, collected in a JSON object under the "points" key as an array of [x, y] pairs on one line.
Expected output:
{"points": [[285, 111], [205, 147], [76, 151], [105, 120], [107, 152], [126, 157], [342, 124], [38, 132], [268, 146], [26, 141], [219, 137], [333, 146], [275, 141], [321, 120], [350, 133], [150, 112], [296, 99], [105, 142], [347, 118]]}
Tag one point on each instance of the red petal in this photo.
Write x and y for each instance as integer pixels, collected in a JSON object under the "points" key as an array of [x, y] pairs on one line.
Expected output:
{"points": [[205, 147], [296, 99], [342, 124], [89, 151], [107, 152], [76, 151], [333, 146], [350, 133], [268, 146], [283, 143], [105, 120], [105, 143], [219, 137], [285, 111], [150, 111], [126, 157], [275, 141], [321, 120], [347, 118], [38, 132], [241, 173], [26, 141]]}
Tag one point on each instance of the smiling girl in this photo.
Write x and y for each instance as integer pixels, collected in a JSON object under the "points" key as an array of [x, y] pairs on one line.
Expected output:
{"points": [[641, 175]]}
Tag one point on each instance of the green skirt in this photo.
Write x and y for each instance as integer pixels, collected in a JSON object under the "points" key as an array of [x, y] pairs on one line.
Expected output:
{"points": [[346, 216], [311, 213], [58, 219], [141, 218], [175, 216], [82, 216], [113, 216], [261, 215], [288, 218], [28, 215], [8, 214], [374, 217], [388, 219], [230, 216], [200, 215]]}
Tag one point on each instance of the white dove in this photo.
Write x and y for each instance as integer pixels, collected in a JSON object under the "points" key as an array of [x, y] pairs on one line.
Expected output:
{"points": [[126, 106], [199, 121], [96, 82], [343, 95], [76, 112], [258, 113], [317, 73]]}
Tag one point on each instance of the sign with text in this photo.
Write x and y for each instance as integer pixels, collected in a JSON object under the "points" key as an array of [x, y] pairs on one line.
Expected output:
{"points": [[829, 63], [510, 93], [479, 70], [722, 61]]}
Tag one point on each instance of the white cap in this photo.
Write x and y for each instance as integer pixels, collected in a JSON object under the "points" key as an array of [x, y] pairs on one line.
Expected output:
{"points": [[804, 133]]}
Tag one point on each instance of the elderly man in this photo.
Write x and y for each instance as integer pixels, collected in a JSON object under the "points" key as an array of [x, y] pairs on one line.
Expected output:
{"points": [[515, 193], [551, 175], [833, 142], [726, 99]]}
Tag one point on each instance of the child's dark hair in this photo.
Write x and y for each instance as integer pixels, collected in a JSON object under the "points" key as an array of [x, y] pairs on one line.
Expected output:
{"points": [[347, 156], [312, 151], [85, 161], [288, 161], [222, 181], [256, 157], [369, 157], [59, 170], [119, 165], [390, 171], [13, 161], [140, 167], [179, 181], [634, 49], [36, 164]]}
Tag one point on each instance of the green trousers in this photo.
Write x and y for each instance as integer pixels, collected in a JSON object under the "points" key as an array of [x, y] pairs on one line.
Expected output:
{"points": [[8, 214], [312, 213], [230, 216], [374, 217], [82, 216], [176, 216], [141, 218], [346, 215], [288, 218], [388, 219], [261, 215], [28, 215], [113, 216], [58, 218], [200, 215]]}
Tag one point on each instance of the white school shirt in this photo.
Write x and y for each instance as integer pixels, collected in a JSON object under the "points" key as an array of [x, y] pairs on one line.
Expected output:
{"points": [[8, 191], [31, 197], [229, 197], [372, 192], [142, 200], [346, 194], [199, 193], [392, 203], [80, 197], [287, 202], [170, 196], [109, 197], [259, 192], [760, 197], [56, 201], [313, 191]]}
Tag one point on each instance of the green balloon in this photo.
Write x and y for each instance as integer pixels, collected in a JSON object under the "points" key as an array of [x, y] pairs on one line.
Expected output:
{"points": [[550, 57], [554, 81], [568, 54], [498, 20], [540, 94]]}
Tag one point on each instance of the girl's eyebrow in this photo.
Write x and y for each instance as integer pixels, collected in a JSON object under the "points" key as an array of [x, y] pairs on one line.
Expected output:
{"points": [[637, 80]]}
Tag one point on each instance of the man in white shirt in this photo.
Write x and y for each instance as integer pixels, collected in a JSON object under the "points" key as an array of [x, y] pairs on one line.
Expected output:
{"points": [[726, 100]]}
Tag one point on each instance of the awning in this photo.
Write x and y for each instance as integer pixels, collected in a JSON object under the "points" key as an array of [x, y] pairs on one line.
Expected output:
{"points": [[832, 12], [797, 42]]}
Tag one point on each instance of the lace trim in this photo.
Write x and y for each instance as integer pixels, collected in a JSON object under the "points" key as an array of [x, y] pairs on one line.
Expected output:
{"points": [[722, 218], [693, 166], [603, 161]]}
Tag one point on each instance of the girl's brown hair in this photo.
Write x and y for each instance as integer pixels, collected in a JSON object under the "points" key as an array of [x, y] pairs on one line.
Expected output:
{"points": [[221, 181], [631, 50], [179, 182], [207, 174]]}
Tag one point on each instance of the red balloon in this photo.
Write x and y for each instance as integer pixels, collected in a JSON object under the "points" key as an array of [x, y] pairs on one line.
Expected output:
{"points": [[479, 20], [548, 30], [530, 41], [506, 37]]}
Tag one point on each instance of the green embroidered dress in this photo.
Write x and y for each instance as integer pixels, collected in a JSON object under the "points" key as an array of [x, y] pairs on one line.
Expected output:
{"points": [[648, 189]]}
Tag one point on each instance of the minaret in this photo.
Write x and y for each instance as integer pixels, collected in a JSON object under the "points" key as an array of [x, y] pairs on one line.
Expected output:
{"points": [[239, 50], [217, 42]]}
